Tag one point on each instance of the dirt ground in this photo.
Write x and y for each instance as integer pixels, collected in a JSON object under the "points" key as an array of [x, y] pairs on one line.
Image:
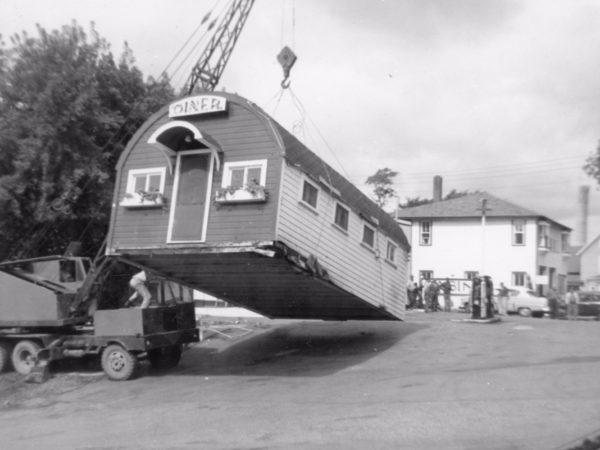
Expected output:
{"points": [[433, 381]]}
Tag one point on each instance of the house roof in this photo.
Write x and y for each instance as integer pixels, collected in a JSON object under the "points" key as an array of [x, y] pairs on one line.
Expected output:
{"points": [[305, 160], [589, 244], [469, 206]]}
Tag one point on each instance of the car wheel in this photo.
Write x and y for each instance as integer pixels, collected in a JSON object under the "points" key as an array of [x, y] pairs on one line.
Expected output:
{"points": [[525, 312]]}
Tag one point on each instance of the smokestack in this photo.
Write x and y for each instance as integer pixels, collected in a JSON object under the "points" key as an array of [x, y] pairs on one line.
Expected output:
{"points": [[437, 188], [582, 225]]}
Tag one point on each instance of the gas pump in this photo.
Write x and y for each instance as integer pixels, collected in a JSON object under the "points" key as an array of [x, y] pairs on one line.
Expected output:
{"points": [[482, 305]]}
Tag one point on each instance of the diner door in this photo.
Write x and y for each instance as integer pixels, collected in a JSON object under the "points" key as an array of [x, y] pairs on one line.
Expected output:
{"points": [[191, 200]]}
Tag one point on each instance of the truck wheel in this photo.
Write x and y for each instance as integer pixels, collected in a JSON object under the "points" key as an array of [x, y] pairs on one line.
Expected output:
{"points": [[24, 356], [165, 358], [4, 356], [119, 364]]}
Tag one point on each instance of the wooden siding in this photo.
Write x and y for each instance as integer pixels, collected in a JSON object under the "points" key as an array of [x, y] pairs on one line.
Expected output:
{"points": [[243, 135], [350, 264]]}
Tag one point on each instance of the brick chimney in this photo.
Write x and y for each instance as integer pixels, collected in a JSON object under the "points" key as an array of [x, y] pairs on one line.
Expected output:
{"points": [[437, 188], [582, 223]]}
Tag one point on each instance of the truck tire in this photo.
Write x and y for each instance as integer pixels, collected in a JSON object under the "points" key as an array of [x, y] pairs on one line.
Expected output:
{"points": [[24, 356], [5, 349], [119, 364], [164, 358]]}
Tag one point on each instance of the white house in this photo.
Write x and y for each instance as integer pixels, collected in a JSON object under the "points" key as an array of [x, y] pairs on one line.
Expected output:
{"points": [[479, 234]]}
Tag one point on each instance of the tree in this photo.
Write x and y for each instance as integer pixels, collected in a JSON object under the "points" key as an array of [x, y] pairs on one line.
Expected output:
{"points": [[66, 111], [592, 165], [382, 182]]}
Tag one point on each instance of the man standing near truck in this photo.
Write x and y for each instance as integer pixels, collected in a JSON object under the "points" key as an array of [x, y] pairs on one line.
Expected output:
{"points": [[572, 304], [503, 300], [138, 282]]}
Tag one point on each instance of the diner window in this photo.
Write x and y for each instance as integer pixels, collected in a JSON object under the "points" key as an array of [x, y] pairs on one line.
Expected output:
{"points": [[368, 237], [310, 194], [341, 217], [240, 174], [519, 278], [518, 227], [146, 180], [390, 253], [425, 233]]}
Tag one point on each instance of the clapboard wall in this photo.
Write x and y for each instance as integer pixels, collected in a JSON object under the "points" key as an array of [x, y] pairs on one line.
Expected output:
{"points": [[363, 271]]}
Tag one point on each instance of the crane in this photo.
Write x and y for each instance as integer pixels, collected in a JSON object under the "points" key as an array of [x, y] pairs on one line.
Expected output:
{"points": [[209, 68]]}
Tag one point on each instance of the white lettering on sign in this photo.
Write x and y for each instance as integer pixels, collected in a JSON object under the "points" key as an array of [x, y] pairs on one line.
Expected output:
{"points": [[201, 104]]}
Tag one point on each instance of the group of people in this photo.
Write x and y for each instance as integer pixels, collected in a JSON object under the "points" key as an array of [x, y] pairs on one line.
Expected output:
{"points": [[424, 295], [570, 304]]}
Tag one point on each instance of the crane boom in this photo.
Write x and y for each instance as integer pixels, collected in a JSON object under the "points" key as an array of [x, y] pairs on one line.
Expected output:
{"points": [[209, 68]]}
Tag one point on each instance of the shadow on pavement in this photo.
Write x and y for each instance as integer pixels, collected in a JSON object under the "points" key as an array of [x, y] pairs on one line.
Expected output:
{"points": [[297, 349]]}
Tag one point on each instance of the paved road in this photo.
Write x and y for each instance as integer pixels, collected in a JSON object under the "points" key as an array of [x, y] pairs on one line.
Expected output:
{"points": [[427, 383]]}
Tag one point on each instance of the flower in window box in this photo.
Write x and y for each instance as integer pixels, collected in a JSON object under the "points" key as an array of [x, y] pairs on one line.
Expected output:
{"points": [[143, 198], [251, 192], [255, 188]]}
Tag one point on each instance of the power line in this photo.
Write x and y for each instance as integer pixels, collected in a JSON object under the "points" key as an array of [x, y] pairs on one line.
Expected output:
{"points": [[533, 166]]}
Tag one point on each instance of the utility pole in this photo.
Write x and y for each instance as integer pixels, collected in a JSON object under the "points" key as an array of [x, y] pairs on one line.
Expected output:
{"points": [[484, 209]]}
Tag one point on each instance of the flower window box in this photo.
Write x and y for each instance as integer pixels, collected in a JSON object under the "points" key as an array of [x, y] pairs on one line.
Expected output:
{"points": [[142, 199], [248, 194]]}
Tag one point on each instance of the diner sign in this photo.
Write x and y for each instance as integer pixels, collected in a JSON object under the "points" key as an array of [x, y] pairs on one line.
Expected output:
{"points": [[200, 104]]}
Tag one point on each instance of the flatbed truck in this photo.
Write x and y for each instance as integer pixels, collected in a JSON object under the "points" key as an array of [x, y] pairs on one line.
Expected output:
{"points": [[46, 314]]}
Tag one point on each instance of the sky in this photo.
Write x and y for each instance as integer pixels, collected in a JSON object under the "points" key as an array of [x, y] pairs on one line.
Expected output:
{"points": [[501, 96]]}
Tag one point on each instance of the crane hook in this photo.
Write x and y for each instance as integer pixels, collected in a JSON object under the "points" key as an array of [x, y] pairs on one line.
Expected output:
{"points": [[286, 58]]}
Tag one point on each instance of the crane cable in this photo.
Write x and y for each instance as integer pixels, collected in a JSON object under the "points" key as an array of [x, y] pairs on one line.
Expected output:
{"points": [[302, 110], [193, 49], [327, 171]]}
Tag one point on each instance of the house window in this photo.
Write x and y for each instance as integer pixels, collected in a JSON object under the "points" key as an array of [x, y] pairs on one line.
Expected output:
{"points": [[518, 232], [425, 233], [341, 217], [425, 274], [564, 242], [310, 194], [544, 235], [244, 173], [146, 180], [390, 253], [368, 236], [470, 274], [519, 278]]}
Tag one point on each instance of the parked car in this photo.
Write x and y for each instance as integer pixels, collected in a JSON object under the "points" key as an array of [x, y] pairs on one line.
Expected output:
{"points": [[589, 304], [525, 302]]}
